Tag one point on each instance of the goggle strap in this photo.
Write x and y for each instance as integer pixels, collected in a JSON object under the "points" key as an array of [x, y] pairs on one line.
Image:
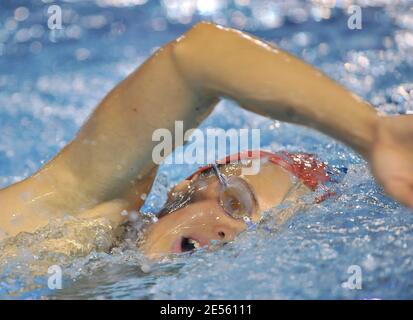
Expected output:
{"points": [[222, 179], [249, 223]]}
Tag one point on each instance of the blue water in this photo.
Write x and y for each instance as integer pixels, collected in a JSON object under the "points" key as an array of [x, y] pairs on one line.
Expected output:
{"points": [[50, 82]]}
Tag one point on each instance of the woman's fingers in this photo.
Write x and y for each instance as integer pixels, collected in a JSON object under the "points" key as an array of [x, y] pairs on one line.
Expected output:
{"points": [[401, 190]]}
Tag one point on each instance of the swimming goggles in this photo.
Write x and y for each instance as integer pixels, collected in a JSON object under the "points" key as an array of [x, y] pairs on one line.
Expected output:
{"points": [[236, 197]]}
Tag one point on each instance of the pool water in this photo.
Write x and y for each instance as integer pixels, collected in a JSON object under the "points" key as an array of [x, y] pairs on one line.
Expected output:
{"points": [[51, 80]]}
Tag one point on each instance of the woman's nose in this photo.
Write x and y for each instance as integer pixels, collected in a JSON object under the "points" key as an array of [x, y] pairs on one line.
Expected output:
{"points": [[226, 233]]}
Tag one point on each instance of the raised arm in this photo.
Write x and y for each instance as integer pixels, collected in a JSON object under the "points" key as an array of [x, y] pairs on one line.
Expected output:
{"points": [[183, 81], [271, 82], [110, 158], [218, 61]]}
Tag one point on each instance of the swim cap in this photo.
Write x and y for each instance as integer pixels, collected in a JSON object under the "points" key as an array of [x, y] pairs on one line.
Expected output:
{"points": [[304, 166]]}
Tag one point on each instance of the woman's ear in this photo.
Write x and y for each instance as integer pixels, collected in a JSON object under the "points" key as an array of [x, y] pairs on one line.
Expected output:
{"points": [[180, 187]]}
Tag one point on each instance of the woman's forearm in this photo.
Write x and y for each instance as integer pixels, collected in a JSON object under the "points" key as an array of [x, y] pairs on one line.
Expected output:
{"points": [[271, 82]]}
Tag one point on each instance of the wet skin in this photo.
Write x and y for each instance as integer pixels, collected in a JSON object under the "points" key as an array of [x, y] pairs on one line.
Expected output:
{"points": [[204, 219], [183, 81]]}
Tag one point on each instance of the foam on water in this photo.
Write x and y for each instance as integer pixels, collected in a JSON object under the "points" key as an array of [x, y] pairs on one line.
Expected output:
{"points": [[50, 83]]}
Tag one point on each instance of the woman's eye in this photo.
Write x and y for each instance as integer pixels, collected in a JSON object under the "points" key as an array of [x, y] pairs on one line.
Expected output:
{"points": [[236, 199], [235, 204], [232, 204]]}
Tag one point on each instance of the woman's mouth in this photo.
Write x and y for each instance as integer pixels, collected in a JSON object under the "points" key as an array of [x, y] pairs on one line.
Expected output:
{"points": [[189, 244], [186, 244]]}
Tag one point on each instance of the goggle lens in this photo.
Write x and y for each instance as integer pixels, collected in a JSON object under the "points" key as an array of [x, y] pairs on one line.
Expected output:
{"points": [[236, 197]]}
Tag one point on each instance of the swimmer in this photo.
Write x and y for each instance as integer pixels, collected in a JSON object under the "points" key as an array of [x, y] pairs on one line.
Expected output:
{"points": [[218, 202], [108, 165]]}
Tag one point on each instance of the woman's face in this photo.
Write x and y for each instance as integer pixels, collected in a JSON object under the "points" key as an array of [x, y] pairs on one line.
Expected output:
{"points": [[204, 219]]}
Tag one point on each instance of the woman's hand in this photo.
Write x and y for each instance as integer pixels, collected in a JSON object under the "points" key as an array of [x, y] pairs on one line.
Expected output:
{"points": [[392, 157]]}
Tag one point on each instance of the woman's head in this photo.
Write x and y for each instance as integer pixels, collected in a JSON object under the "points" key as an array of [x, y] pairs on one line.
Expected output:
{"points": [[200, 210]]}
